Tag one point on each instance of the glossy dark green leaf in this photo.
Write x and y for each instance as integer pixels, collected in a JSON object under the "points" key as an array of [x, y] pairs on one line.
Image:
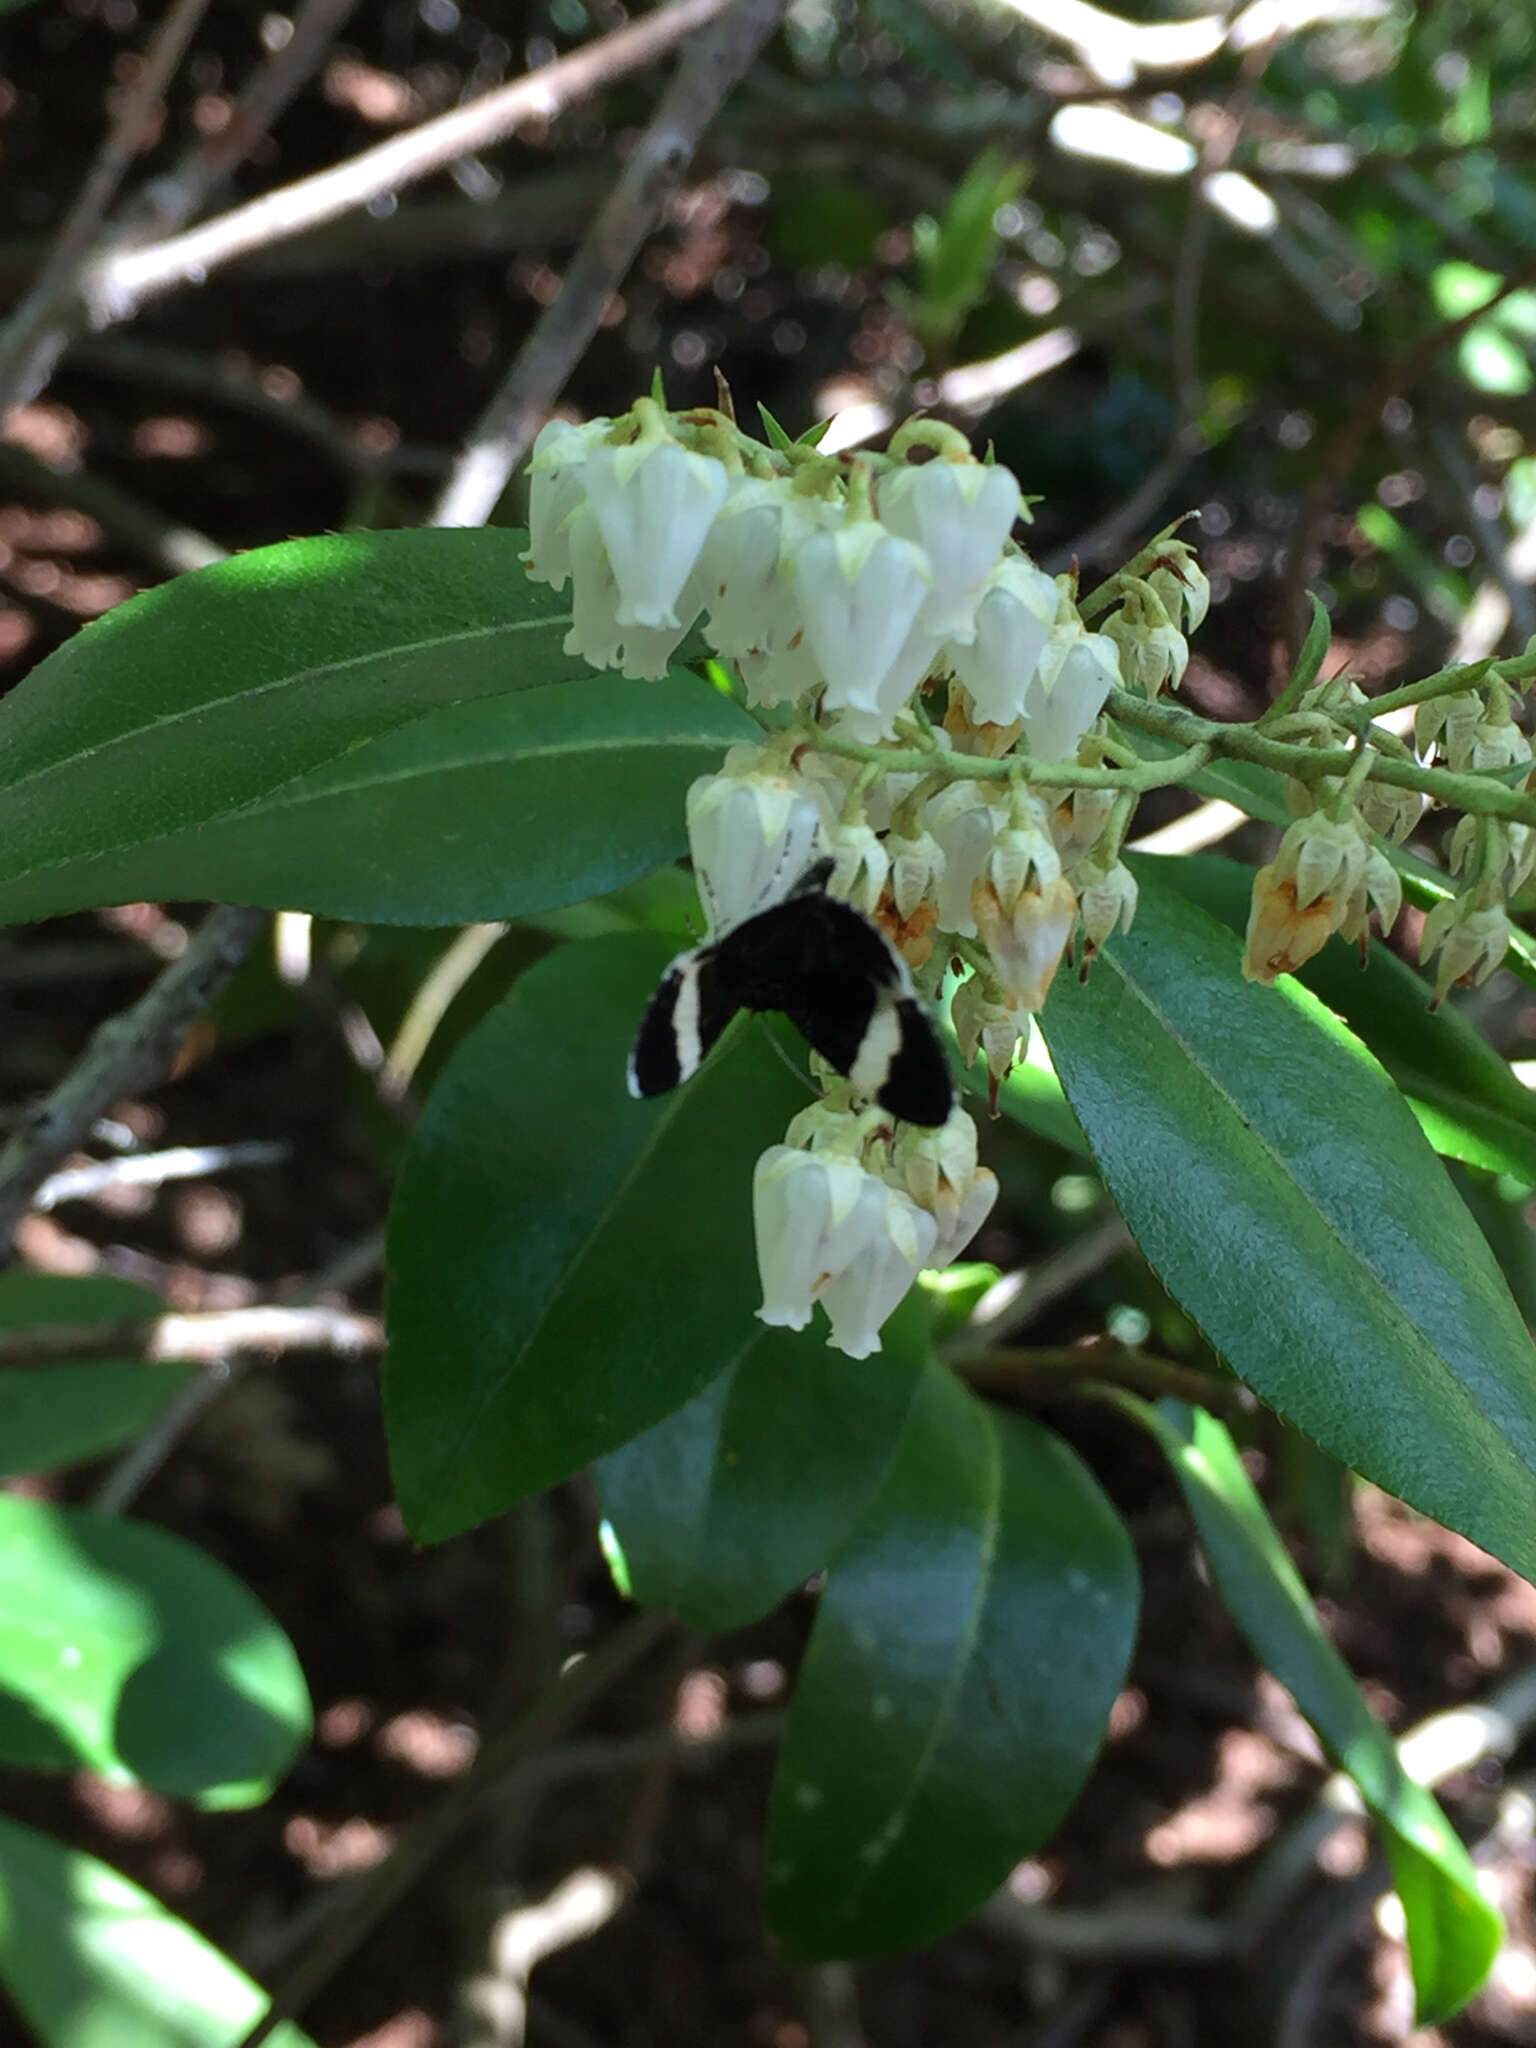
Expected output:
{"points": [[967, 1649], [1453, 1932], [91, 1961], [567, 1266], [728, 1505], [487, 809], [1277, 1183], [125, 1650], [1468, 1103], [56, 1415], [205, 694]]}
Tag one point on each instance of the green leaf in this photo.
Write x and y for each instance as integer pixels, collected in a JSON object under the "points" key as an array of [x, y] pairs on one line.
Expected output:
{"points": [[57, 1415], [567, 1265], [125, 1650], [1278, 1185], [728, 1505], [92, 1961], [1453, 1932], [203, 695], [489, 809], [1468, 1103], [966, 1653]]}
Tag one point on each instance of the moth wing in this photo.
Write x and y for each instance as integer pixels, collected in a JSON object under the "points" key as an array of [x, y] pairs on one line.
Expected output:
{"points": [[684, 1017]]}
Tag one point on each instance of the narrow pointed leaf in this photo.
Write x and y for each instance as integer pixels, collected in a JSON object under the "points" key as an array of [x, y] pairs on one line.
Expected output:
{"points": [[967, 1650], [1468, 1103], [728, 1505], [486, 809], [126, 1651], [1277, 1183], [206, 693], [567, 1265], [91, 1961], [1453, 1932]]}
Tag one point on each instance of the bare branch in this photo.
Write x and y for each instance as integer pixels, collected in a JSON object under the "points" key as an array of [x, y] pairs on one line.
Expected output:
{"points": [[199, 1339], [129, 1052], [505, 430], [37, 332], [122, 282]]}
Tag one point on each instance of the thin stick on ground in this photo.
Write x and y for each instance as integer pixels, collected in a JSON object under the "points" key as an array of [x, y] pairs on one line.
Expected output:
{"points": [[505, 430], [572, 1692], [126, 280], [129, 1052]]}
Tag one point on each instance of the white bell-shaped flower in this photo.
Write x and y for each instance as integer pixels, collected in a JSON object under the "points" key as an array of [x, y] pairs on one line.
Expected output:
{"points": [[596, 636], [556, 490], [649, 649], [906, 673], [860, 1296], [1013, 620], [965, 827], [1026, 937], [654, 501], [859, 590], [753, 831], [960, 513], [814, 1214], [1076, 674], [956, 1227], [746, 595], [983, 1024], [939, 1170]]}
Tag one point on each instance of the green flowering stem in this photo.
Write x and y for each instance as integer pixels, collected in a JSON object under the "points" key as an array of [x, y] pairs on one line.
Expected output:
{"points": [[1365, 761], [1479, 794], [1113, 588], [1015, 768], [1518, 670]]}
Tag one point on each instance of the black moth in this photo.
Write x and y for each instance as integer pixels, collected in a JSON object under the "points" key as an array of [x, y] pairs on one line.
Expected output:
{"points": [[832, 973]]}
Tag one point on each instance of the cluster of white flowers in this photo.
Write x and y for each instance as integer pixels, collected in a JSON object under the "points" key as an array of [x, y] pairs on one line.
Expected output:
{"points": [[901, 643]]}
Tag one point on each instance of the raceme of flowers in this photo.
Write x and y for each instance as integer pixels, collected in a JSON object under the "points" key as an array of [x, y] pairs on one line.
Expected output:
{"points": [[915, 671]]}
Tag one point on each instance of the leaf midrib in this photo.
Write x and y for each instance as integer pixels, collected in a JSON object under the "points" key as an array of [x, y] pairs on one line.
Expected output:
{"points": [[988, 1530], [1227, 1102]]}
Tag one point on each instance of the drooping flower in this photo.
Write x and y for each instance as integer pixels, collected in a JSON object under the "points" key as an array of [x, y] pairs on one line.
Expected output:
{"points": [[939, 1170], [1025, 909], [961, 513], [964, 826], [745, 595], [556, 490], [1470, 939], [859, 590], [1076, 674], [1013, 619], [814, 1213], [753, 830], [860, 1297], [1303, 895], [1106, 902], [1181, 583], [654, 502], [595, 635], [860, 864], [984, 1023], [830, 1231]]}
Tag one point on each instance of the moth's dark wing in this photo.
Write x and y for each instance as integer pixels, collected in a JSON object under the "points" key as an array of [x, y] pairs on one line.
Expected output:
{"points": [[682, 1020], [918, 1085], [791, 951]]}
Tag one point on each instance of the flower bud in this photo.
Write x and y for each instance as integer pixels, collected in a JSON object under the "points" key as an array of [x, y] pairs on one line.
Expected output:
{"points": [[1450, 723], [938, 1170], [1471, 942], [1106, 900], [860, 865], [917, 869], [1390, 811], [1153, 652], [1181, 584], [983, 1024], [1026, 937]]}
